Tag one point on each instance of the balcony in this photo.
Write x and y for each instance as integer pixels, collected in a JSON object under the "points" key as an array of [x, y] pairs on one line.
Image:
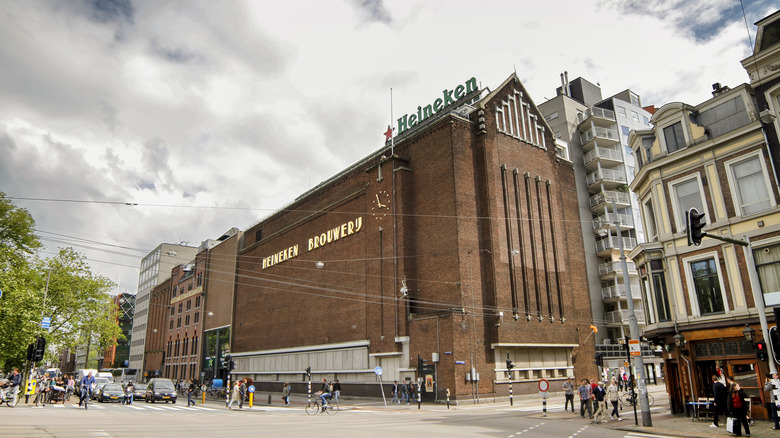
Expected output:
{"points": [[604, 247], [609, 178], [608, 156], [608, 220], [613, 269], [620, 317], [605, 137], [614, 293], [598, 116], [603, 200]]}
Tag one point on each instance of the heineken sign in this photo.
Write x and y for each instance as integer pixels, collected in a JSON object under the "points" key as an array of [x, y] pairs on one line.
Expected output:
{"points": [[449, 97]]}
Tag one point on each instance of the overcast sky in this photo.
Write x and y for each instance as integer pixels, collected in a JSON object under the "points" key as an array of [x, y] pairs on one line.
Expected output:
{"points": [[211, 115]]}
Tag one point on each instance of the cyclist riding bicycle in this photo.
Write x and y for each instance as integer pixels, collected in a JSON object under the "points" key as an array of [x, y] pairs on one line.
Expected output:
{"points": [[86, 388], [14, 380], [325, 392]]}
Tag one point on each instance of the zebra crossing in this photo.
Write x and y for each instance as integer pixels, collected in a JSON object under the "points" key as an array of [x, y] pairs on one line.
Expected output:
{"points": [[135, 407]]}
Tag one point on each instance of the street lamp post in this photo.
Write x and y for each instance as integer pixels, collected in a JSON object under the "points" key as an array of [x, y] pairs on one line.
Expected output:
{"points": [[633, 327]]}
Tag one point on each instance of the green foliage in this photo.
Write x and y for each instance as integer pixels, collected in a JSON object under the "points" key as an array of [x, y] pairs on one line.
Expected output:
{"points": [[76, 299]]}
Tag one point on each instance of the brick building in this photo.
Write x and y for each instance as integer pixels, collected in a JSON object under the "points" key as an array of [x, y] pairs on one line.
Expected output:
{"points": [[459, 244]]}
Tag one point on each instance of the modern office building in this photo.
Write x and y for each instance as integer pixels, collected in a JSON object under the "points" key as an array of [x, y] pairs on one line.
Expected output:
{"points": [[118, 356], [437, 258], [155, 268], [596, 132]]}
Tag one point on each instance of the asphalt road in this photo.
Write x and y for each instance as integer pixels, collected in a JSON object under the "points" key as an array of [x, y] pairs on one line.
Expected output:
{"points": [[358, 419]]}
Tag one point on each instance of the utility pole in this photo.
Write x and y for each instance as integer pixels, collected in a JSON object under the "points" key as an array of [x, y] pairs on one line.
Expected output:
{"points": [[633, 327]]}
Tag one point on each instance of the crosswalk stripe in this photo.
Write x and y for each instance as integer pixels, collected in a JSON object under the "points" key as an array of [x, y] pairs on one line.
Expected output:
{"points": [[135, 407], [153, 408], [171, 408]]}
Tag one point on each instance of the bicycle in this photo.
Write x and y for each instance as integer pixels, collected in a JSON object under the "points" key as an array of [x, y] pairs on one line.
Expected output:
{"points": [[314, 406], [630, 399], [86, 396], [5, 399]]}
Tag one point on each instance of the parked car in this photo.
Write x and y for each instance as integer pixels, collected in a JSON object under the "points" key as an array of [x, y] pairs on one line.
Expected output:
{"points": [[139, 391], [160, 389], [111, 392]]}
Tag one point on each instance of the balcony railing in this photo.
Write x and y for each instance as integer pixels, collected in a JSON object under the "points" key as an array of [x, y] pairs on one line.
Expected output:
{"points": [[612, 242], [621, 316], [602, 153], [608, 174], [611, 218], [609, 134], [608, 196], [596, 112], [620, 292], [616, 268]]}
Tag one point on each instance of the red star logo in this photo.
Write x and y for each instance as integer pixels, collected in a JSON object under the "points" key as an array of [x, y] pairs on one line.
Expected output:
{"points": [[389, 133]]}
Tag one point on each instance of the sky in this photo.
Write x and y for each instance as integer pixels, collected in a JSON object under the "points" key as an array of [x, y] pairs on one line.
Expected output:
{"points": [[126, 124]]}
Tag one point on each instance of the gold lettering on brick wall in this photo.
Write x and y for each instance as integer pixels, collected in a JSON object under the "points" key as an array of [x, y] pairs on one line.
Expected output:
{"points": [[327, 237]]}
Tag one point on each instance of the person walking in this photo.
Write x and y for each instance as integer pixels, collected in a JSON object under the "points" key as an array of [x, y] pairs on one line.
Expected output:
{"points": [[402, 390], [191, 393], [598, 399], [396, 399], [235, 396], [720, 395], [409, 391], [286, 394], [336, 390], [584, 391], [613, 396], [568, 388], [738, 405], [242, 391], [772, 386]]}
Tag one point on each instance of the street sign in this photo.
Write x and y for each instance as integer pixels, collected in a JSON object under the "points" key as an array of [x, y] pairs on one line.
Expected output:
{"points": [[544, 385], [251, 388], [378, 371], [1, 293], [634, 348], [46, 323], [460, 362]]}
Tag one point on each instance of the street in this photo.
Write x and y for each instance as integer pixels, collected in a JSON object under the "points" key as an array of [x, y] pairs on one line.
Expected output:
{"points": [[357, 418]]}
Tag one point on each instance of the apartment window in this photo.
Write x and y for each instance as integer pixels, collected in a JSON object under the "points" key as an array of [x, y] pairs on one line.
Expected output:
{"points": [[645, 120], [749, 185], [171, 324], [189, 305], [674, 138], [635, 116], [200, 278], [189, 288], [625, 130], [185, 350], [175, 288], [768, 266], [170, 344], [197, 302], [178, 322], [706, 285], [197, 317], [186, 320], [687, 195], [621, 111], [657, 297], [173, 310], [194, 345], [661, 297], [651, 228], [635, 99], [181, 306], [552, 116]]}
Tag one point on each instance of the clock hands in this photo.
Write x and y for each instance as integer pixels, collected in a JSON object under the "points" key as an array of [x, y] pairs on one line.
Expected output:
{"points": [[378, 202]]}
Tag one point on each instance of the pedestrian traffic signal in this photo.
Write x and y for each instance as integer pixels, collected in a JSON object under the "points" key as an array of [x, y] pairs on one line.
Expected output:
{"points": [[308, 371], [761, 352], [695, 222], [599, 359], [226, 361]]}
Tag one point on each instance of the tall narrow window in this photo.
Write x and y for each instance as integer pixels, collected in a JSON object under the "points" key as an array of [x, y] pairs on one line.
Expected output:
{"points": [[688, 195], [768, 267], [650, 223], [707, 286], [673, 135], [750, 184]]}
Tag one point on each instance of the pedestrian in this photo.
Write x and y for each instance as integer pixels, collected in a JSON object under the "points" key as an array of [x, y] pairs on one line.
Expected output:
{"points": [[286, 394], [738, 404], [403, 392], [719, 397], [191, 392], [242, 391], [336, 390], [568, 388], [598, 400], [584, 391], [613, 395], [235, 396], [772, 386], [409, 391], [396, 398]]}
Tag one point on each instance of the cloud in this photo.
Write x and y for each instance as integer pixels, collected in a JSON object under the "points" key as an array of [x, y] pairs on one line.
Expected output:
{"points": [[372, 11]]}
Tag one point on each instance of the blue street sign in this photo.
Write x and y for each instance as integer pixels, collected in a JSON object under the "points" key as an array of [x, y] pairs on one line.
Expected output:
{"points": [[1, 293], [460, 362], [46, 323], [378, 371], [251, 388]]}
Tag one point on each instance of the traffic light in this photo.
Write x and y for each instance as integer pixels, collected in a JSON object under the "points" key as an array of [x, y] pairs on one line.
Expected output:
{"points": [[695, 222], [40, 348], [420, 362], [226, 361], [599, 359], [31, 352], [761, 352], [231, 365], [774, 343], [509, 364], [308, 371]]}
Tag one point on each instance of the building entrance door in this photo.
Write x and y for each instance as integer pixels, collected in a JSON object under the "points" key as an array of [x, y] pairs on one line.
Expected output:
{"points": [[746, 373]]}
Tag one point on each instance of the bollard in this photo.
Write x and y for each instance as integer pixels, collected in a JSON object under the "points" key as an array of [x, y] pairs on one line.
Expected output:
{"points": [[251, 399], [419, 393], [448, 398], [511, 400], [544, 407], [203, 397], [269, 399]]}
